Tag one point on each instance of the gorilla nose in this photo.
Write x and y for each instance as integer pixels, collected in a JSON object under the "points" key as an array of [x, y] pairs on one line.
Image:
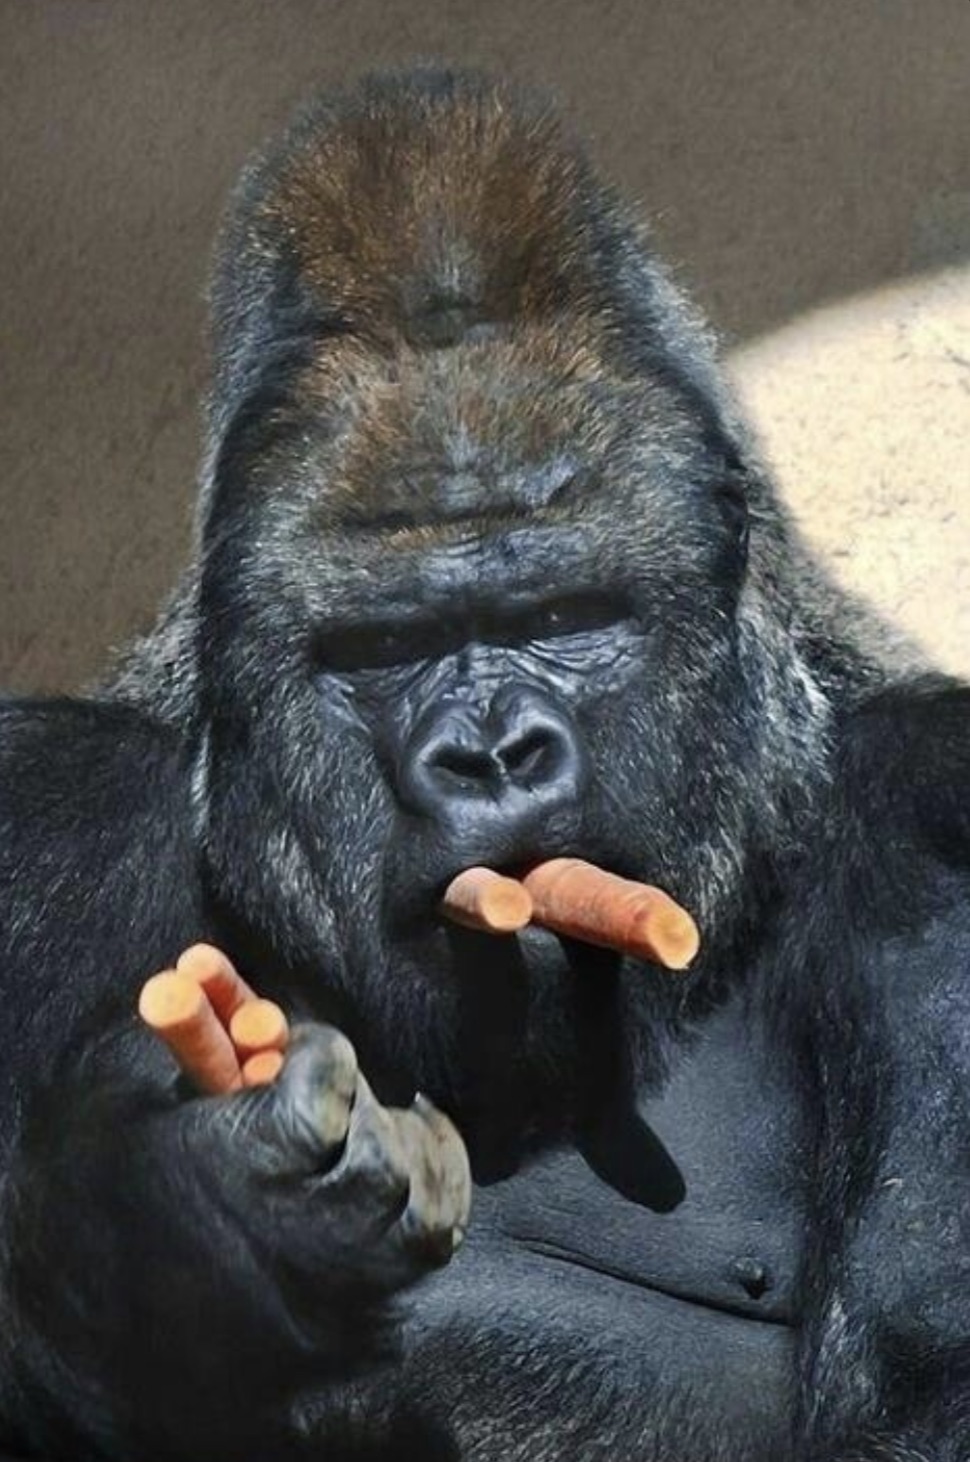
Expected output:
{"points": [[524, 752]]}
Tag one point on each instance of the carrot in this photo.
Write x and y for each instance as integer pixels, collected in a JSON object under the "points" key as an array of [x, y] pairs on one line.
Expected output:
{"points": [[259, 1025], [262, 1068], [482, 899], [219, 978], [213, 1023], [581, 901], [177, 1009]]}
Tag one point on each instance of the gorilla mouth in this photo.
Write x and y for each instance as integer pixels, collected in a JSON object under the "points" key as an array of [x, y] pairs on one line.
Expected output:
{"points": [[585, 911], [419, 903], [532, 946], [420, 883]]}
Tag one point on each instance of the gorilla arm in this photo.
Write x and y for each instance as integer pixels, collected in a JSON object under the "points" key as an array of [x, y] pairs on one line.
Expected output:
{"points": [[887, 1369], [146, 1238]]}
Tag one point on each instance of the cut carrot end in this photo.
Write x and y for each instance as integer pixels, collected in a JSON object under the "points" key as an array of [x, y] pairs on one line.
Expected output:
{"points": [[169, 999], [259, 1025], [218, 977], [480, 898], [678, 938], [262, 1069]]}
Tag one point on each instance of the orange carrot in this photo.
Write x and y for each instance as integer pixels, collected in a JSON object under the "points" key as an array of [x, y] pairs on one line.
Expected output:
{"points": [[219, 978], [262, 1068], [581, 901], [177, 1009], [259, 1025], [482, 899]]}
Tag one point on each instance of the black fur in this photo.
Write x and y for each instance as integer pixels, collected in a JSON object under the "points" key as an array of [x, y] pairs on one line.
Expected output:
{"points": [[488, 572]]}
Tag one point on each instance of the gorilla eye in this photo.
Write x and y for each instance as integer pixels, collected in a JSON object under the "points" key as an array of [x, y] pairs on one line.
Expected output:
{"points": [[365, 647], [382, 645], [551, 621], [734, 505], [574, 614]]}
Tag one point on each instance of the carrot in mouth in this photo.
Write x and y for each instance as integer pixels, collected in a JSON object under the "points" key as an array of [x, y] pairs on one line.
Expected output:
{"points": [[583, 902], [580, 901], [482, 899]]}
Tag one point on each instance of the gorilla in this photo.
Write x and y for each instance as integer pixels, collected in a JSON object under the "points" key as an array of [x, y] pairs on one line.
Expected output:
{"points": [[488, 572]]}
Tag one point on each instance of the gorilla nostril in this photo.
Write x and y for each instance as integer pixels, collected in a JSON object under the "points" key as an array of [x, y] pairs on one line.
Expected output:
{"points": [[470, 768], [533, 757]]}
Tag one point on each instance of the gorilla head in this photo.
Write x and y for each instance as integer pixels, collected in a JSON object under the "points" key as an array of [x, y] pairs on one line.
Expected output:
{"points": [[486, 575]]}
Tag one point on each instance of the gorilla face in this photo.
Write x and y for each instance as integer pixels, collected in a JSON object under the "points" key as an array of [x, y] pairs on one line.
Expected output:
{"points": [[471, 607], [474, 573]]}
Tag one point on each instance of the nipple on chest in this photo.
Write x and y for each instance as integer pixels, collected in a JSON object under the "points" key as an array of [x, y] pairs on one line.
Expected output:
{"points": [[752, 1275]]}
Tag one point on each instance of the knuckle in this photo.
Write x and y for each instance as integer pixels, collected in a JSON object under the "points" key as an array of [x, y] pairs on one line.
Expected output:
{"points": [[434, 1221], [430, 1234], [446, 1156], [320, 1084], [327, 1052], [375, 1155]]}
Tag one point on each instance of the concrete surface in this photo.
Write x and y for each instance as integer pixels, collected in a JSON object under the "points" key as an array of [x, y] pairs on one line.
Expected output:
{"points": [[793, 154], [863, 410]]}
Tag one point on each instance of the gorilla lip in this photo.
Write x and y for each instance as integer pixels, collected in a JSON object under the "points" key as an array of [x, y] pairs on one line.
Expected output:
{"points": [[577, 900]]}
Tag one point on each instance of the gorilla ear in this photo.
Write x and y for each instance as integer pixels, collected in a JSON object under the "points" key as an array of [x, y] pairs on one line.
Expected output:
{"points": [[732, 498]]}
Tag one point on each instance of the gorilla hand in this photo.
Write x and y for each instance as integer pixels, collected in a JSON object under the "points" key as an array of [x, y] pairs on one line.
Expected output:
{"points": [[271, 1225], [382, 1192]]}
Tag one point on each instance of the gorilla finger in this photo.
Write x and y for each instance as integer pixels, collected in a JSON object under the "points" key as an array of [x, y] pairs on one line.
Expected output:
{"points": [[298, 1125], [373, 1175], [435, 1219]]}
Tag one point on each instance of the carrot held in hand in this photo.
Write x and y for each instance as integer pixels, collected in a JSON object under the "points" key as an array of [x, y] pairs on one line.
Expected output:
{"points": [[259, 1025], [262, 1068], [479, 898], [219, 978], [220, 1034], [581, 901], [177, 1009]]}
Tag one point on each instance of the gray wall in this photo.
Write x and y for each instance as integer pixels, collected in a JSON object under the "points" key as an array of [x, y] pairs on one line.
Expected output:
{"points": [[790, 152]]}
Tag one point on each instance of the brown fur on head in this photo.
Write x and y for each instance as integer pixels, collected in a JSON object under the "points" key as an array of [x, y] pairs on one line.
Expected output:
{"points": [[440, 208], [443, 319], [431, 211]]}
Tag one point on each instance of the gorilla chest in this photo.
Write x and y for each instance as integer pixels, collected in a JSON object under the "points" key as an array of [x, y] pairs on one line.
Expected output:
{"points": [[692, 1191], [643, 1280]]}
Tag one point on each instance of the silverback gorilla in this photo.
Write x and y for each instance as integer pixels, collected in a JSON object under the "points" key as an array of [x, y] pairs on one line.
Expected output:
{"points": [[487, 573]]}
